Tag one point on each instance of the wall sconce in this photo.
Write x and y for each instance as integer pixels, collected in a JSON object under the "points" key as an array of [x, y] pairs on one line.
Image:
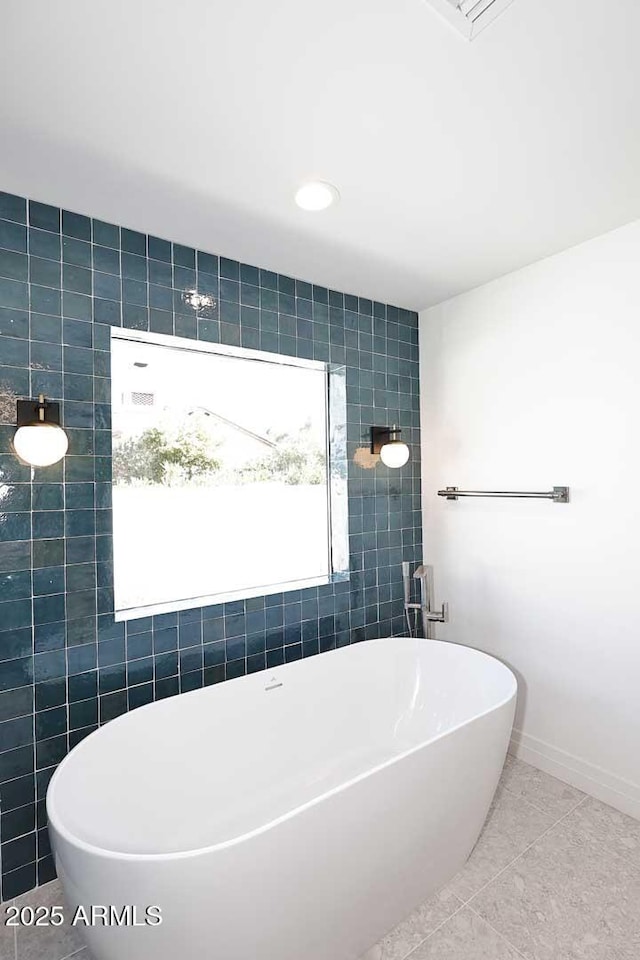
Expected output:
{"points": [[39, 440], [386, 441]]}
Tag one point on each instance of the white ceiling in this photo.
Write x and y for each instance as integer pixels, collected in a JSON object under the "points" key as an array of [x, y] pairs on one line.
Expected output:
{"points": [[457, 162]]}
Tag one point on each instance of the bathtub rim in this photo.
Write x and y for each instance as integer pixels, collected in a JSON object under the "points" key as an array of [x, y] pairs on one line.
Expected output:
{"points": [[115, 855]]}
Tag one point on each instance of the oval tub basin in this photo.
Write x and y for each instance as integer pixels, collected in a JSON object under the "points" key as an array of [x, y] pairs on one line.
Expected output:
{"points": [[294, 814]]}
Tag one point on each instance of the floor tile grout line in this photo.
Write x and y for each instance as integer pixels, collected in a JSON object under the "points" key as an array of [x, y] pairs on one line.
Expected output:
{"points": [[526, 850], [435, 930], [497, 932], [530, 803], [528, 847], [75, 953], [465, 903], [539, 807], [587, 796]]}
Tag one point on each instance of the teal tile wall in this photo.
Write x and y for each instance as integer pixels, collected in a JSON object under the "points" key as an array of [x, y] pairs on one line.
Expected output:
{"points": [[65, 664]]}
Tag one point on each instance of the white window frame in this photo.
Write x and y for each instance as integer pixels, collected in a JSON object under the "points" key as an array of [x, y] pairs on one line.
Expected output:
{"points": [[337, 515]]}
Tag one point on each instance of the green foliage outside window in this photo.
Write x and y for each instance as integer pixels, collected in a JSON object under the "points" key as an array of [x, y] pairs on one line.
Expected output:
{"points": [[157, 458], [189, 456]]}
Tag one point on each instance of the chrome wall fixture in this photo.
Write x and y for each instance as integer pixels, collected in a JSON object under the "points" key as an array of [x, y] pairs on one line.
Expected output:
{"points": [[558, 494], [425, 608]]}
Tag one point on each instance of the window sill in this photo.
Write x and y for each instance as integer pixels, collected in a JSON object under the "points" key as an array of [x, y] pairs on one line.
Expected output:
{"points": [[172, 606]]}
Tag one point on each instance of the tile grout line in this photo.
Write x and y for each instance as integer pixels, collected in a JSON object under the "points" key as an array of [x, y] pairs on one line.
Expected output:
{"points": [[472, 908], [526, 850], [465, 903], [75, 953], [501, 936], [532, 803], [435, 930]]}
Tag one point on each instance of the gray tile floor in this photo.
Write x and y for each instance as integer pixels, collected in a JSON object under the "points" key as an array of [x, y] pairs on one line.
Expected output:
{"points": [[554, 876]]}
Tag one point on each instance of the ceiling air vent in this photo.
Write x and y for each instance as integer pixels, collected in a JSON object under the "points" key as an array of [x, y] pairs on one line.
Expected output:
{"points": [[139, 399], [469, 17]]}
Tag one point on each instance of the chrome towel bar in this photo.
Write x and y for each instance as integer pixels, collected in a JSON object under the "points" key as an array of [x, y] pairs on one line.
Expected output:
{"points": [[558, 494]]}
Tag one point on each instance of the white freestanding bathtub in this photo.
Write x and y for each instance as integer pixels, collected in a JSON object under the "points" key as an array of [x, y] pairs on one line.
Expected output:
{"points": [[297, 814]]}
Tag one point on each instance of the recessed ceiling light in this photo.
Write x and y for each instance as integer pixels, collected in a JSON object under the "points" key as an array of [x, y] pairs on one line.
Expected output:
{"points": [[197, 300], [316, 195]]}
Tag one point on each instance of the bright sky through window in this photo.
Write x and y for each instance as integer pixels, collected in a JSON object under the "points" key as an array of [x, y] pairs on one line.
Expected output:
{"points": [[220, 472]]}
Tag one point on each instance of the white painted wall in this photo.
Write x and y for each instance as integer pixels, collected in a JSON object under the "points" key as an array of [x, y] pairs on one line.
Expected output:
{"points": [[528, 382]]}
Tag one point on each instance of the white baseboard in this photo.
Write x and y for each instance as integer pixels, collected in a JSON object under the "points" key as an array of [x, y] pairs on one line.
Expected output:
{"points": [[599, 783]]}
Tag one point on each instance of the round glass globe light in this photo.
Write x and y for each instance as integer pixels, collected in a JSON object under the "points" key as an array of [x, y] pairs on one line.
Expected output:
{"points": [[317, 195], [40, 444], [395, 453]]}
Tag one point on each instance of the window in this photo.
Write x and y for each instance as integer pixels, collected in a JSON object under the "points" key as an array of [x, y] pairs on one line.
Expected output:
{"points": [[229, 473]]}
